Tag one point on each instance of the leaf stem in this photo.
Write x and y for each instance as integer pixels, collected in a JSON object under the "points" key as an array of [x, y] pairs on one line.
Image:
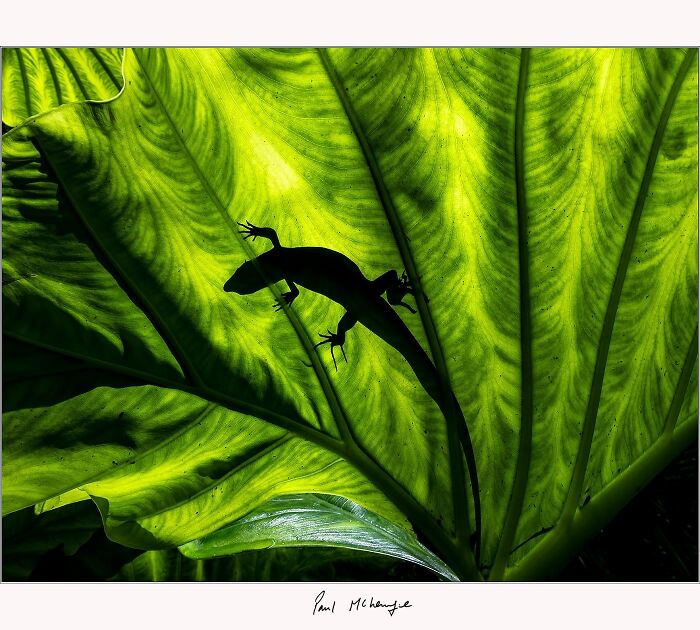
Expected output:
{"points": [[522, 466], [548, 557], [567, 538]]}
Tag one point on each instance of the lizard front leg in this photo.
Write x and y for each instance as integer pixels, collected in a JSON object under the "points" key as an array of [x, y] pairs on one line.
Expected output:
{"points": [[253, 230], [346, 322], [288, 297]]}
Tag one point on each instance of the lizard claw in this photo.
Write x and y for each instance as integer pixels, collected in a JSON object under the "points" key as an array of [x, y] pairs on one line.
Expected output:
{"points": [[249, 230], [334, 340], [285, 300]]}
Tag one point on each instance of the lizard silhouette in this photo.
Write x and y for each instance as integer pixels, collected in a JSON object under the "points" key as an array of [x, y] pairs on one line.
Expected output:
{"points": [[334, 275]]}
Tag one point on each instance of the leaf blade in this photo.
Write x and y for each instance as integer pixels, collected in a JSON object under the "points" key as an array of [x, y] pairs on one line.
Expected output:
{"points": [[310, 520]]}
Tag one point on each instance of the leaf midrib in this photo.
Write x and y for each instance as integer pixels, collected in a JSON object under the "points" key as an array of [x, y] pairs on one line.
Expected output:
{"points": [[522, 466], [225, 400]]}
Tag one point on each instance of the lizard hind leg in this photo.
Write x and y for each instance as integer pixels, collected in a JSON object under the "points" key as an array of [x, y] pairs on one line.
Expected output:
{"points": [[332, 339], [346, 322], [286, 299]]}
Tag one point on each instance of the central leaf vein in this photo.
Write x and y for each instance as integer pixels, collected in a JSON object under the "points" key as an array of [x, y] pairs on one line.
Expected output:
{"points": [[522, 466]]}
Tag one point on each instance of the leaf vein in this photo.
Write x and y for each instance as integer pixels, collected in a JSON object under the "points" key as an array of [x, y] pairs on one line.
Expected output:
{"points": [[581, 462], [522, 466], [327, 388], [456, 465]]}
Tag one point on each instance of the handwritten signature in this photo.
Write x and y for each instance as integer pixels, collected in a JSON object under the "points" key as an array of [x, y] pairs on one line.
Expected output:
{"points": [[322, 605]]}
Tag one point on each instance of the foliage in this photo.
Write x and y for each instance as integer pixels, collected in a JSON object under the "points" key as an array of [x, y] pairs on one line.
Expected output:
{"points": [[543, 204], [35, 80]]}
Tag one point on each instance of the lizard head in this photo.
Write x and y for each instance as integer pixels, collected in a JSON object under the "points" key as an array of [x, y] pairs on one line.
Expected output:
{"points": [[246, 279]]}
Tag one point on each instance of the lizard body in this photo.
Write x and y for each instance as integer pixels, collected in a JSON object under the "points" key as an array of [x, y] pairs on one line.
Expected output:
{"points": [[335, 276]]}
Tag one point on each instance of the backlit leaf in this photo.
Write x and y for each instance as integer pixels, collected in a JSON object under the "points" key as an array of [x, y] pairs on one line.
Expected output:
{"points": [[35, 80], [543, 204]]}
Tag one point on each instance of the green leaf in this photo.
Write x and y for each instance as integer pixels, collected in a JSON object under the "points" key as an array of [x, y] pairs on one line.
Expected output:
{"points": [[314, 520], [159, 452], [35, 80], [543, 204]]}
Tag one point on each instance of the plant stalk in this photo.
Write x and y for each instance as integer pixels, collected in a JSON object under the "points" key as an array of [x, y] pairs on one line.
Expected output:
{"points": [[567, 538]]}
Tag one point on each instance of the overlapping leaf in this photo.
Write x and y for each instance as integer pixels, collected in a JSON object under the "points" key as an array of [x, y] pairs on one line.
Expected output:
{"points": [[35, 80], [505, 183], [310, 520]]}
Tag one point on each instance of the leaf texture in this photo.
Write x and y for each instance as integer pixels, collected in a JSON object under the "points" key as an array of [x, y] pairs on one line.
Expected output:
{"points": [[309, 520], [35, 80], [543, 203]]}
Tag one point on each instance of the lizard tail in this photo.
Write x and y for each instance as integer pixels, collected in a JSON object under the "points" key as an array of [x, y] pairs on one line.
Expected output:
{"points": [[424, 369], [391, 329]]}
